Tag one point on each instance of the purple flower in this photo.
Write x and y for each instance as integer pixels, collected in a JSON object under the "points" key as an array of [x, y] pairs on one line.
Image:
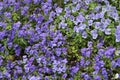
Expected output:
{"points": [[117, 34], [100, 63], [84, 34], [87, 63], [97, 68], [64, 50], [25, 59], [2, 49], [32, 78], [83, 74], [27, 49], [91, 16], [3, 25], [16, 6], [87, 1], [11, 1], [80, 18], [72, 18], [52, 14], [114, 64], [87, 77], [113, 15], [74, 9], [107, 21], [26, 68], [97, 57], [104, 73], [100, 45], [94, 34], [17, 51], [63, 25], [64, 76], [97, 25], [32, 52], [67, 9], [76, 29], [86, 52], [36, 1], [27, 1], [78, 6], [90, 44], [108, 31], [21, 33], [95, 72], [118, 62], [1, 75], [24, 10], [70, 79], [2, 35], [100, 15], [39, 19], [109, 52], [1, 60], [1, 5], [65, 1], [74, 70], [18, 69], [82, 61], [46, 78], [16, 25], [59, 66], [58, 51], [7, 74], [90, 22], [101, 52], [82, 27], [97, 8], [58, 10], [7, 14], [10, 44], [97, 78]]}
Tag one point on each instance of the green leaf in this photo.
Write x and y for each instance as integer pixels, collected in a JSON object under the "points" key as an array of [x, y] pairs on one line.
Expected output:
{"points": [[15, 16], [77, 76], [100, 33], [10, 57], [88, 31], [92, 5], [70, 23], [21, 42], [8, 27], [75, 13]]}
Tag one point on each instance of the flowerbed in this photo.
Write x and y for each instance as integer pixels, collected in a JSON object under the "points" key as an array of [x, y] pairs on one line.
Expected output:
{"points": [[59, 40]]}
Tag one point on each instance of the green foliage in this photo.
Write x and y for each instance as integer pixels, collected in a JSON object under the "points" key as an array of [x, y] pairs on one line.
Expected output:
{"points": [[21, 42], [15, 16], [75, 13], [75, 41], [10, 57], [70, 23], [9, 26], [59, 2], [77, 76], [92, 5]]}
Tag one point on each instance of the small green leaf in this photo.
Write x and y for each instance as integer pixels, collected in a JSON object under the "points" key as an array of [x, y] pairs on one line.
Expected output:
{"points": [[75, 13], [8, 27], [14, 16], [92, 5], [21, 42]]}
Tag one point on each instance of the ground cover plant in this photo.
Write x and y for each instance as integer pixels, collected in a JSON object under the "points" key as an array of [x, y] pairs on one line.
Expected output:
{"points": [[59, 40]]}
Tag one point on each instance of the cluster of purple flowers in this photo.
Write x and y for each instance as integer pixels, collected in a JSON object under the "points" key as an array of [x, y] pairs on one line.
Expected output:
{"points": [[35, 45]]}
